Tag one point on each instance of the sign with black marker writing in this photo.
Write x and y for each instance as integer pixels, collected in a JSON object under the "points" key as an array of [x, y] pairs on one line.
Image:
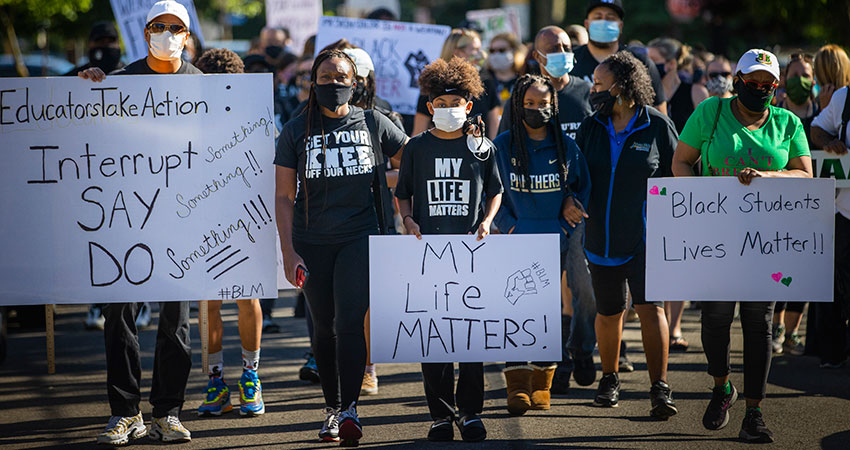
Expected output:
{"points": [[399, 51], [451, 298], [137, 188], [715, 239]]}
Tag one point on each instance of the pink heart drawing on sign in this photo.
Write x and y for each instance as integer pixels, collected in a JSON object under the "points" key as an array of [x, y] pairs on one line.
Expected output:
{"points": [[654, 190], [776, 276]]}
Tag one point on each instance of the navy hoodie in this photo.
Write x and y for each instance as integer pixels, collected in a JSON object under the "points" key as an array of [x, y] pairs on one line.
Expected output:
{"points": [[538, 210]]}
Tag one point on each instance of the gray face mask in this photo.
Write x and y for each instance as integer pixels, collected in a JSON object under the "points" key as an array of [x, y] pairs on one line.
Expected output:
{"points": [[718, 85]]}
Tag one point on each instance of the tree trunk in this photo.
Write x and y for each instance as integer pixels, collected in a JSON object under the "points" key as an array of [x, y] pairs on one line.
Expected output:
{"points": [[13, 43]]}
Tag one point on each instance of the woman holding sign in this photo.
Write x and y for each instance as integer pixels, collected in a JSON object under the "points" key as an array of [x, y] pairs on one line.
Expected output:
{"points": [[744, 137], [329, 160], [625, 142]]}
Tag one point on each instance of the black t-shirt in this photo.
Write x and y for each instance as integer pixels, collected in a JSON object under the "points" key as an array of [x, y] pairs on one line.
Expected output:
{"points": [[573, 107], [481, 105], [503, 88], [586, 64], [140, 67], [447, 183], [681, 106], [335, 181]]}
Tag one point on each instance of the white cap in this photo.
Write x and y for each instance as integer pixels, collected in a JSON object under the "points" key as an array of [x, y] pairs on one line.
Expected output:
{"points": [[169, 7], [362, 60], [757, 59]]}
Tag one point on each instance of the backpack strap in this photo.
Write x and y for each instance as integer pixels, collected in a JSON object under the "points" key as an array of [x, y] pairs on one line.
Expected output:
{"points": [[845, 117], [379, 181]]}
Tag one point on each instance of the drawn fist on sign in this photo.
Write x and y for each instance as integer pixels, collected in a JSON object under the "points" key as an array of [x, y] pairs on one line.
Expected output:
{"points": [[520, 283]]}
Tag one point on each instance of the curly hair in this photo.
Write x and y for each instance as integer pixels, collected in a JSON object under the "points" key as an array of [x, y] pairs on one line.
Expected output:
{"points": [[458, 73], [631, 76], [220, 60]]}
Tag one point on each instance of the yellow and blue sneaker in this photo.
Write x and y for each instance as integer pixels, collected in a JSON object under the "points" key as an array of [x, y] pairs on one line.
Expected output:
{"points": [[217, 401], [251, 394]]}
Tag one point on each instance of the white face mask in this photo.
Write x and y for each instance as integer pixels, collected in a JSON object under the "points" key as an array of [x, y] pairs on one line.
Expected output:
{"points": [[166, 46], [501, 61], [449, 119]]}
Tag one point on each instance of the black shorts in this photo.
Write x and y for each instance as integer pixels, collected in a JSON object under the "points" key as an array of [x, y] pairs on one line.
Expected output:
{"points": [[609, 285]]}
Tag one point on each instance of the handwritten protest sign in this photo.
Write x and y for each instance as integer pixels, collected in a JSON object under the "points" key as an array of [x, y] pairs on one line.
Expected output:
{"points": [[300, 17], [399, 50], [494, 21], [141, 187], [712, 238], [830, 165], [452, 298], [132, 15]]}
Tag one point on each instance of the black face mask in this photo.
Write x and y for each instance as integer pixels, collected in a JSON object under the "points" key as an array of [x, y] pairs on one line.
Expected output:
{"points": [[333, 95], [756, 100], [536, 118], [105, 58], [358, 93], [661, 70], [603, 102], [274, 51]]}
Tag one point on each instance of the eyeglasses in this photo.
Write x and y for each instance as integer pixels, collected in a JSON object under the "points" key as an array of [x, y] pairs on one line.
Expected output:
{"points": [[760, 86], [500, 50], [719, 74], [159, 27]]}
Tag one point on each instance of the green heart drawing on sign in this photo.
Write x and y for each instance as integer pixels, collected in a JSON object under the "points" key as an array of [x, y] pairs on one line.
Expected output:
{"points": [[786, 281], [663, 191]]}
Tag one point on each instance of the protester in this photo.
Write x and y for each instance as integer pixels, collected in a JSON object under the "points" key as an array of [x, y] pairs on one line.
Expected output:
{"points": [[450, 87], [553, 52], [466, 44], [504, 63], [193, 49], [327, 221], [549, 184], [273, 45], [799, 98], [829, 132], [683, 97], [104, 50], [166, 32], [832, 72], [578, 35], [625, 142], [719, 81], [720, 133], [604, 24]]}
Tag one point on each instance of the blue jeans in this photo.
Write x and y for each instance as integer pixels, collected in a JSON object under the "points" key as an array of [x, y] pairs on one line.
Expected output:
{"points": [[582, 332]]}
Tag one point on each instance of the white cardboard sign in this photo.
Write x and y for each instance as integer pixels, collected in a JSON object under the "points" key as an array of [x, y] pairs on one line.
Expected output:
{"points": [[132, 15], [712, 238], [399, 51], [138, 188], [830, 165], [451, 298], [495, 21], [300, 17]]}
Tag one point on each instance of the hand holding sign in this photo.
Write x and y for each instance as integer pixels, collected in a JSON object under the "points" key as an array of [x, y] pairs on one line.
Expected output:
{"points": [[519, 284]]}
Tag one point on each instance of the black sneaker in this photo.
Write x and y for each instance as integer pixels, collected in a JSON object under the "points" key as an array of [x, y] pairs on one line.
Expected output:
{"points": [[717, 414], [608, 392], [753, 428], [624, 364], [309, 371], [471, 428], [661, 397], [561, 382], [585, 371], [441, 430]]}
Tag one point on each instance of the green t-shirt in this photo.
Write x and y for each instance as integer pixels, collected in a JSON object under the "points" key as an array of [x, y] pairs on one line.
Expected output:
{"points": [[734, 147]]}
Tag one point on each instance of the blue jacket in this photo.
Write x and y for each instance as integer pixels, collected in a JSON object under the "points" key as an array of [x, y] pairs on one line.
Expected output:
{"points": [[538, 210]]}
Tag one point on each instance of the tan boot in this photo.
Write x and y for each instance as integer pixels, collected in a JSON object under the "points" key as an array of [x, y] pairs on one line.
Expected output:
{"points": [[541, 382], [518, 385]]}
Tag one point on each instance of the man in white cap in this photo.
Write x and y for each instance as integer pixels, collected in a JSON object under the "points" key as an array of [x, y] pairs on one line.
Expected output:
{"points": [[166, 32]]}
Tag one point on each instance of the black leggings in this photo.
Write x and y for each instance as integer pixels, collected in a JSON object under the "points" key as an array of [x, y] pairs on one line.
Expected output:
{"points": [[756, 319], [337, 292]]}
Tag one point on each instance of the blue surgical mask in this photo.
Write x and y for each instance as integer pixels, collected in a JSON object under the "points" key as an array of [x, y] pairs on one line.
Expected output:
{"points": [[604, 31], [558, 64]]}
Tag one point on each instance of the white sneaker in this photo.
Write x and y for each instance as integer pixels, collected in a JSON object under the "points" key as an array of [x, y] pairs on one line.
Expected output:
{"points": [[94, 318], [330, 427], [120, 430], [143, 320], [370, 384], [169, 429]]}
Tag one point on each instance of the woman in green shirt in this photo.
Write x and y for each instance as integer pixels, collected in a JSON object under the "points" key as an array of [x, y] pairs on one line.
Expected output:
{"points": [[747, 138]]}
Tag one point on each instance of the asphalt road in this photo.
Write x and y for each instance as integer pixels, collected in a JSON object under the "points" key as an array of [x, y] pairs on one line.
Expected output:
{"points": [[807, 407]]}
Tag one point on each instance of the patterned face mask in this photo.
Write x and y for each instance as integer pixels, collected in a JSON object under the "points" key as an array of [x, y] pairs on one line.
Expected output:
{"points": [[719, 85]]}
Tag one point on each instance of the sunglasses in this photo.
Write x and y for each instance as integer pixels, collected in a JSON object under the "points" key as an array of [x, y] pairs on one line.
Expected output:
{"points": [[500, 50], [159, 27], [719, 74], [760, 86]]}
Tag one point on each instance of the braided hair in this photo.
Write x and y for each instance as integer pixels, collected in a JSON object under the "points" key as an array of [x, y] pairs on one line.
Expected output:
{"points": [[519, 152], [313, 111]]}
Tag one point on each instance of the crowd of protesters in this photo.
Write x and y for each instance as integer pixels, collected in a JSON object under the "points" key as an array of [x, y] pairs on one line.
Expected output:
{"points": [[578, 96]]}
